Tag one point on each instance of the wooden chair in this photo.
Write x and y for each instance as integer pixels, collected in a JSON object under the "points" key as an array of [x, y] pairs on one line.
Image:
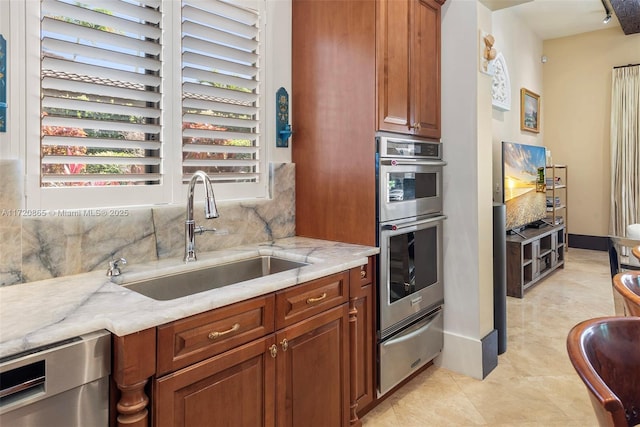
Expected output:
{"points": [[606, 354], [628, 286], [636, 252]]}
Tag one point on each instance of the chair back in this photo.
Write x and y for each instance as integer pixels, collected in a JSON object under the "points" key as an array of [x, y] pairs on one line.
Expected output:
{"points": [[628, 286], [605, 353]]}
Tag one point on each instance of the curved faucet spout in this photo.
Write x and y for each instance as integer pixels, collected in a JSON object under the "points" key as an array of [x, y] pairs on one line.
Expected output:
{"points": [[210, 211]]}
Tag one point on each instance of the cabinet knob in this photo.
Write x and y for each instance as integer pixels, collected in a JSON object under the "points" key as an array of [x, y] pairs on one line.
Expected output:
{"points": [[273, 350], [363, 272], [285, 344], [415, 126]]}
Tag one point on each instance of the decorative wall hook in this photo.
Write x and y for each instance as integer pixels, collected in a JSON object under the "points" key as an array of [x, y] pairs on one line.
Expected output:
{"points": [[283, 128]]}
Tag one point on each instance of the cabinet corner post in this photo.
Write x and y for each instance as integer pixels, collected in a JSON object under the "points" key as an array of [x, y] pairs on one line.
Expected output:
{"points": [[354, 421], [134, 363]]}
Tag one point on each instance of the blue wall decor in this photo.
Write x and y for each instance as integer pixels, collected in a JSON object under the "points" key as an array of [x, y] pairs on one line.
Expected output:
{"points": [[283, 128], [3, 84]]}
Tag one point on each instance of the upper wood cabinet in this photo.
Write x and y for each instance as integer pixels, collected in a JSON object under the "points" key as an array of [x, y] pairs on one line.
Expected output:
{"points": [[358, 66], [408, 67], [334, 119]]}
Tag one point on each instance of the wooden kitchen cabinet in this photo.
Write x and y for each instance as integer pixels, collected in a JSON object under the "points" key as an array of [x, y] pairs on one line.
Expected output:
{"points": [[357, 67], [312, 384], [362, 325], [190, 340], [408, 61], [234, 388], [334, 119], [282, 359]]}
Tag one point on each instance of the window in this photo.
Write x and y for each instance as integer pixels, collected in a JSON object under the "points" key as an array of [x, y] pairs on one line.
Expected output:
{"points": [[100, 93], [220, 91], [115, 127]]}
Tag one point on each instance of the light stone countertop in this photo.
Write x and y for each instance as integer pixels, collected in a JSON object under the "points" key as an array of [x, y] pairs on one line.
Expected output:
{"points": [[43, 312]]}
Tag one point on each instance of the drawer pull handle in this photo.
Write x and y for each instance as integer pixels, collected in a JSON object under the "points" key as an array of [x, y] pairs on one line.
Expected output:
{"points": [[285, 344], [273, 350], [215, 335], [314, 300]]}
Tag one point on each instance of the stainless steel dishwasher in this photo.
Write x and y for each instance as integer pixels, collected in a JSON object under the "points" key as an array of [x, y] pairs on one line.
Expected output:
{"points": [[62, 384]]}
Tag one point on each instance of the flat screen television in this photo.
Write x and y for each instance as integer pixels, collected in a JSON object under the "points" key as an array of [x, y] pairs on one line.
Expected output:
{"points": [[523, 184]]}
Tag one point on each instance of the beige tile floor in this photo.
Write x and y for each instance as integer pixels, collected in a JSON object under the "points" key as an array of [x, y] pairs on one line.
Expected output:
{"points": [[534, 383]]}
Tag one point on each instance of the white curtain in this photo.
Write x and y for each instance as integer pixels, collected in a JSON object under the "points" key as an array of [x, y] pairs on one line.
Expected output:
{"points": [[625, 149]]}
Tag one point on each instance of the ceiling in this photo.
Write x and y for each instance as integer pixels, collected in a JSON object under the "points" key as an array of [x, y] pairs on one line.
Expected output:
{"points": [[551, 19]]}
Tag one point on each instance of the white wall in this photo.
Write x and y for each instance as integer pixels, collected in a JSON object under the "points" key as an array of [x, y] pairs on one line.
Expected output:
{"points": [[522, 50], [468, 269], [577, 81], [279, 71]]}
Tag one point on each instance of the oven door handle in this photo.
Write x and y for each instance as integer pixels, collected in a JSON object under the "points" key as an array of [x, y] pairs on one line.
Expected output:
{"points": [[428, 322], [402, 162], [414, 223]]}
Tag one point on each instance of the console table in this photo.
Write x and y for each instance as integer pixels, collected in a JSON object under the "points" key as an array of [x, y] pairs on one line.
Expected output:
{"points": [[532, 255]]}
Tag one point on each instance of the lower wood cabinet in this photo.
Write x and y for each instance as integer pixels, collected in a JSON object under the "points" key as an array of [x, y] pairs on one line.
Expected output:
{"points": [[362, 321], [311, 365], [312, 375], [232, 389], [296, 378]]}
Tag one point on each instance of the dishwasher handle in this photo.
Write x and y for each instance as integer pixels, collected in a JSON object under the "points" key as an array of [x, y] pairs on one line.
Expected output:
{"points": [[41, 373], [27, 379]]}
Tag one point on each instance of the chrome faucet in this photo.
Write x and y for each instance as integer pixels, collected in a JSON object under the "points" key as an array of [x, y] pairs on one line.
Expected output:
{"points": [[114, 266], [210, 211]]}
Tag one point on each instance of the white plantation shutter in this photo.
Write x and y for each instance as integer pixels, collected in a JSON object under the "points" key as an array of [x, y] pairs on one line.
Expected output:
{"points": [[100, 92], [220, 91]]}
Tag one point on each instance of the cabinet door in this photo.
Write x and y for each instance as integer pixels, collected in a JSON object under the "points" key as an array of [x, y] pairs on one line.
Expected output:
{"points": [[535, 256], [393, 74], [425, 68], [408, 56], [312, 384], [362, 344], [233, 389]]}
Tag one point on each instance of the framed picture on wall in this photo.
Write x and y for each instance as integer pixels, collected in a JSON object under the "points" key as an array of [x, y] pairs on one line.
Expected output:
{"points": [[529, 111]]}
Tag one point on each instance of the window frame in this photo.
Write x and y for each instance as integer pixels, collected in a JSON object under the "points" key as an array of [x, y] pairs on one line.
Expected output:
{"points": [[171, 190]]}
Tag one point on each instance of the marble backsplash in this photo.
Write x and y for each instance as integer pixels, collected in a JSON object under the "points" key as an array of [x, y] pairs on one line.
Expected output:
{"points": [[45, 247]]}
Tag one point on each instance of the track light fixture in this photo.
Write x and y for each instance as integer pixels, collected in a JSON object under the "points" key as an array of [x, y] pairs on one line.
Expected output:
{"points": [[607, 18]]}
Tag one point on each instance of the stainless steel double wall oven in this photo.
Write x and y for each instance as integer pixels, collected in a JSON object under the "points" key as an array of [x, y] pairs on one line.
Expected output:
{"points": [[410, 226]]}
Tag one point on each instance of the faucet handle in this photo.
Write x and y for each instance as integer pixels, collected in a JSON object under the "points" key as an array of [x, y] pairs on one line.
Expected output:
{"points": [[198, 229], [114, 267]]}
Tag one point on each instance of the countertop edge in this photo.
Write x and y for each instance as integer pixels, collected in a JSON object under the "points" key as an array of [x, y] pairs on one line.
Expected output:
{"points": [[44, 312]]}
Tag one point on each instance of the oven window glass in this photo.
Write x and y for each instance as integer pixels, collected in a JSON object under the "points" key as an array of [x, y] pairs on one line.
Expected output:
{"points": [[413, 262], [405, 186]]}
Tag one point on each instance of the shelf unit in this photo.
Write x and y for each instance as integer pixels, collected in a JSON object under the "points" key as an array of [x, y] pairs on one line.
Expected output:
{"points": [[532, 255], [557, 214]]}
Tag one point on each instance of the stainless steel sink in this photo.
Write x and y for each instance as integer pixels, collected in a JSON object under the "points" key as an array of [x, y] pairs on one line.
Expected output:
{"points": [[178, 285]]}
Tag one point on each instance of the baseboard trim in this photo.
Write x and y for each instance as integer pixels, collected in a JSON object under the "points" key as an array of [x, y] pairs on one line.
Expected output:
{"points": [[489, 352], [595, 243], [461, 354]]}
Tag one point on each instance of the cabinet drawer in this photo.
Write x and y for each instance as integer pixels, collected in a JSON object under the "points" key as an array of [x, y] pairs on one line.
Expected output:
{"points": [[363, 275], [198, 337], [302, 301]]}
